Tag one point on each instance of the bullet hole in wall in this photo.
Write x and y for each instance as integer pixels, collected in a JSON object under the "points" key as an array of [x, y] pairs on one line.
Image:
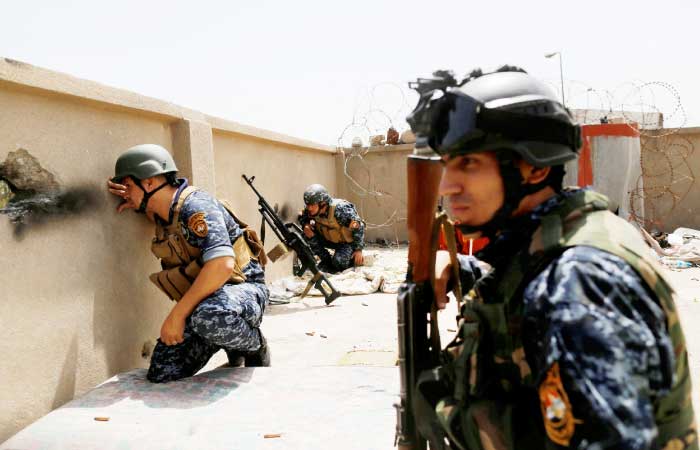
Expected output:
{"points": [[31, 196], [285, 212]]}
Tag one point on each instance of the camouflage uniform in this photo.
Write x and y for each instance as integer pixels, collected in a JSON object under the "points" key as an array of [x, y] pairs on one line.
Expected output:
{"points": [[229, 318], [577, 351], [345, 214]]}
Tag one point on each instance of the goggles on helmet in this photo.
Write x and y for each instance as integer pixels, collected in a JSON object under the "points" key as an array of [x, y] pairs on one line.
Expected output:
{"points": [[453, 123]]}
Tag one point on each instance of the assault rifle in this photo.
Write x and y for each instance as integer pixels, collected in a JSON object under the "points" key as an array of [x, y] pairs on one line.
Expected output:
{"points": [[419, 340], [291, 237]]}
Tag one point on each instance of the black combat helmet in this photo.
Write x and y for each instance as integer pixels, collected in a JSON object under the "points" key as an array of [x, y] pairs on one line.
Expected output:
{"points": [[316, 193], [506, 109]]}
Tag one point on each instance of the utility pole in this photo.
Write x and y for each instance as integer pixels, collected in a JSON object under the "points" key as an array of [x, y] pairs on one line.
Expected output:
{"points": [[561, 73]]}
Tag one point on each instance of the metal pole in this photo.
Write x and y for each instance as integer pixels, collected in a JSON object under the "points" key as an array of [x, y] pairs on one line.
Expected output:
{"points": [[561, 75]]}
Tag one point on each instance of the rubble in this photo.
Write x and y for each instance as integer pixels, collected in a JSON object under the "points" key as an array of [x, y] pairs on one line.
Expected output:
{"points": [[384, 271], [376, 140], [407, 137], [6, 193], [392, 136], [681, 250], [26, 174]]}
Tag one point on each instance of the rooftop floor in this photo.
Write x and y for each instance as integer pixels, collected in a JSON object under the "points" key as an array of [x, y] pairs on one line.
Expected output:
{"points": [[332, 385]]}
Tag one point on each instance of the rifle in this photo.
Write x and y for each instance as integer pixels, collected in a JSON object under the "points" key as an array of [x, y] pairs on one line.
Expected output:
{"points": [[291, 237], [419, 347]]}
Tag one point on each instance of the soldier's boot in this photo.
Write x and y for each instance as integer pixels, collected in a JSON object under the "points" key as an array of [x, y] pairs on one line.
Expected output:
{"points": [[326, 267], [261, 357], [235, 359]]}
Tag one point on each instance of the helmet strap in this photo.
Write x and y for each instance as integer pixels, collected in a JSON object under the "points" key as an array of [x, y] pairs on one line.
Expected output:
{"points": [[147, 195]]}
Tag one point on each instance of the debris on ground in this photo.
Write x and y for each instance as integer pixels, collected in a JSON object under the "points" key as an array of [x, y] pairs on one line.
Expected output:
{"points": [[682, 251], [272, 435], [384, 271]]}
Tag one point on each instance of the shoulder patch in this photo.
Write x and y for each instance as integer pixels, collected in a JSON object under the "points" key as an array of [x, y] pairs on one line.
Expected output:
{"points": [[198, 224], [559, 421]]}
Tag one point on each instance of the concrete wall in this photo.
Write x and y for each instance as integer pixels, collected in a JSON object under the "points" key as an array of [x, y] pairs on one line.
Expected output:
{"points": [[281, 172], [376, 184], [76, 305], [671, 168], [669, 188]]}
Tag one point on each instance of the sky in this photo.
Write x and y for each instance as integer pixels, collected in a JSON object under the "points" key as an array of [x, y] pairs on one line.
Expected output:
{"points": [[328, 71]]}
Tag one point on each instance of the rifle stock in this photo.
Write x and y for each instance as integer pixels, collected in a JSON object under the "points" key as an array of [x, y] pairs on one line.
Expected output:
{"points": [[416, 297]]}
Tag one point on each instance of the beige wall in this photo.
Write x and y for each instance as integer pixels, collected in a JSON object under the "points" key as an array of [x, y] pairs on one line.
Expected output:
{"points": [[378, 189], [281, 175], [672, 180], [76, 306], [72, 312]]}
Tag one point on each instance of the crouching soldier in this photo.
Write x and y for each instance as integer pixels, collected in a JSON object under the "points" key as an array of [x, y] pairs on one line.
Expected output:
{"points": [[332, 223], [211, 267]]}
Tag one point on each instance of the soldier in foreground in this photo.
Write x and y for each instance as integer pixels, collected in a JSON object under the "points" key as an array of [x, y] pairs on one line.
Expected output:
{"points": [[210, 264], [332, 223], [572, 339]]}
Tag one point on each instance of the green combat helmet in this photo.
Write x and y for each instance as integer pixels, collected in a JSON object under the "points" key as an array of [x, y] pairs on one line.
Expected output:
{"points": [[145, 161], [316, 193]]}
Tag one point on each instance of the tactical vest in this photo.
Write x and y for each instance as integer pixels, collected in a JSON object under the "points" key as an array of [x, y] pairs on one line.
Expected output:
{"points": [[488, 354], [181, 262], [330, 229]]}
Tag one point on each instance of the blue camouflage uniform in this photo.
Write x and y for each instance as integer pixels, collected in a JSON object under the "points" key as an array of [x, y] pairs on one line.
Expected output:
{"points": [[345, 214], [589, 313], [227, 319]]}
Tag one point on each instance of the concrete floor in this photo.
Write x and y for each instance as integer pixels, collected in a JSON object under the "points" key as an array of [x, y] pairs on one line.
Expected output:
{"points": [[361, 330], [687, 285], [325, 360]]}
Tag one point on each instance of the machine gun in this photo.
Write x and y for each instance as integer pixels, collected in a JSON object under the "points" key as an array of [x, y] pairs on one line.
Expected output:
{"points": [[292, 237]]}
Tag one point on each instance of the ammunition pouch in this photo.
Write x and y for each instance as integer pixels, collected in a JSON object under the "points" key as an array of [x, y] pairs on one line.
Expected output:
{"points": [[330, 228], [255, 244], [175, 281]]}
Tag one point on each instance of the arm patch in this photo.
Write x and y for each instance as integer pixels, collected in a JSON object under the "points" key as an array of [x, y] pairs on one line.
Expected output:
{"points": [[198, 224]]}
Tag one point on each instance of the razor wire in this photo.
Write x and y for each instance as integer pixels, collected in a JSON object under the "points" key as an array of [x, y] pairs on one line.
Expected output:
{"points": [[656, 111], [655, 108], [379, 108]]}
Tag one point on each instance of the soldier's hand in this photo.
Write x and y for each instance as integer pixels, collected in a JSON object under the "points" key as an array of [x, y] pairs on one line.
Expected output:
{"points": [[120, 191], [358, 257], [308, 231], [443, 275], [172, 331]]}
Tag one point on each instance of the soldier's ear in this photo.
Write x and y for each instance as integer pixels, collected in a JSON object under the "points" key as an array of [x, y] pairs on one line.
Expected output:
{"points": [[532, 174]]}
